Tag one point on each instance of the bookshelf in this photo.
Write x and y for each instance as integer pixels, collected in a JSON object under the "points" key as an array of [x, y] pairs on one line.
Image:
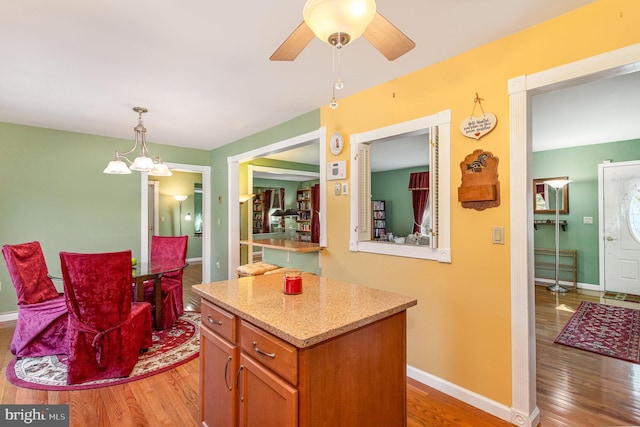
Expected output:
{"points": [[305, 213], [379, 218], [258, 212]]}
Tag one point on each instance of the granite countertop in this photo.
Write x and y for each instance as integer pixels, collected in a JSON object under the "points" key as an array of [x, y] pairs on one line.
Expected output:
{"points": [[326, 308]]}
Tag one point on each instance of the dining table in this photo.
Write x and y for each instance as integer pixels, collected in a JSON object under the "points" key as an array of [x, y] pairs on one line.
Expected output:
{"points": [[143, 271]]}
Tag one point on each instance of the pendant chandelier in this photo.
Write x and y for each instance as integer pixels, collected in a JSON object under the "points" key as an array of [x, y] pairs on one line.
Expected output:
{"points": [[145, 162]]}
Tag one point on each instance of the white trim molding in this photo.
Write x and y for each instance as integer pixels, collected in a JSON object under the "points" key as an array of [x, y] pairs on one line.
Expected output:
{"points": [[462, 394], [626, 60]]}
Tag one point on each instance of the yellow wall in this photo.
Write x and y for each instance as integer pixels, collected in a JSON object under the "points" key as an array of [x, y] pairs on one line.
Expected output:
{"points": [[460, 330]]}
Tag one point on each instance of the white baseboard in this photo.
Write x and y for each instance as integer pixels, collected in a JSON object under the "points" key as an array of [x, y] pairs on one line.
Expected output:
{"points": [[487, 405], [586, 286], [7, 317], [194, 260]]}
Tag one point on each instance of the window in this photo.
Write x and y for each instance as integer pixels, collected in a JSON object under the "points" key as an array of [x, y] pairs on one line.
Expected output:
{"points": [[434, 132]]}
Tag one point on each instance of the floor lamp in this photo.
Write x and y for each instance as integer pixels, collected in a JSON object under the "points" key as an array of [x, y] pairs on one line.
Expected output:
{"points": [[180, 199], [557, 184]]}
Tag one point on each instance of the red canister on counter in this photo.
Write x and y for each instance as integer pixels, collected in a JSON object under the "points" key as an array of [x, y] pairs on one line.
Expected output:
{"points": [[292, 282]]}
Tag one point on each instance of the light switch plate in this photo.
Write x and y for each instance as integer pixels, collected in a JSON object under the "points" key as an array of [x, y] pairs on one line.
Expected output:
{"points": [[345, 188], [497, 235], [336, 189]]}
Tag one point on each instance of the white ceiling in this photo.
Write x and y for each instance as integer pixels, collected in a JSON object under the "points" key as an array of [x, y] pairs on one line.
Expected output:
{"points": [[202, 67], [602, 111]]}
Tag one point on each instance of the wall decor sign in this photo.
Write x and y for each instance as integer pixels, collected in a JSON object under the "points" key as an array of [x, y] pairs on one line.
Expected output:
{"points": [[480, 188], [478, 126]]}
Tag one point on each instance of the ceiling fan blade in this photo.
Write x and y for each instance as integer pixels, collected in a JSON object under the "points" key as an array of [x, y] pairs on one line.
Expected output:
{"points": [[387, 38], [294, 44]]}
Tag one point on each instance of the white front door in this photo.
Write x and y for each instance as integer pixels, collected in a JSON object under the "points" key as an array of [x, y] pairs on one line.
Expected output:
{"points": [[620, 226]]}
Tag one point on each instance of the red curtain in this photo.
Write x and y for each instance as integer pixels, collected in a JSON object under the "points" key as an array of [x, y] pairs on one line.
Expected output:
{"points": [[419, 187], [282, 224], [266, 205], [315, 218]]}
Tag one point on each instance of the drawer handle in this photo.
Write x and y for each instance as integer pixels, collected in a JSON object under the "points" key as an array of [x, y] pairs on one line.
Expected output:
{"points": [[226, 367], [238, 380], [213, 321], [262, 352]]}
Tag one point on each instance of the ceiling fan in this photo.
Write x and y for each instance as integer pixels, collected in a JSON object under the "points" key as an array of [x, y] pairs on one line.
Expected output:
{"points": [[339, 22]]}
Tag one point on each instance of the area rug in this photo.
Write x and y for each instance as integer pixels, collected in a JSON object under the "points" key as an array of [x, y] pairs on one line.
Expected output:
{"points": [[171, 348], [604, 329]]}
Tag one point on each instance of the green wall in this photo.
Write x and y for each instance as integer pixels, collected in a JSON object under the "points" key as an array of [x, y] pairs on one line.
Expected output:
{"points": [[392, 187], [52, 189], [580, 164]]}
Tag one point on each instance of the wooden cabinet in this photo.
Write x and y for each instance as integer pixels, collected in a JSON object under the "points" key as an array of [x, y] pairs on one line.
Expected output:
{"points": [[355, 379], [235, 388], [379, 218], [218, 366], [265, 399], [305, 213]]}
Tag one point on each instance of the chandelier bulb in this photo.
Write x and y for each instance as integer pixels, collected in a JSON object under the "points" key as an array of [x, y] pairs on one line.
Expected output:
{"points": [[339, 85], [333, 104]]}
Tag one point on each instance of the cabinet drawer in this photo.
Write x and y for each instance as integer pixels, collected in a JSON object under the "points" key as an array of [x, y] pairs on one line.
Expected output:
{"points": [[272, 352], [218, 320]]}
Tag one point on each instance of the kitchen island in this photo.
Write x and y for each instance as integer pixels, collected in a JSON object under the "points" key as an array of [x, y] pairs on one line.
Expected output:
{"points": [[334, 355]]}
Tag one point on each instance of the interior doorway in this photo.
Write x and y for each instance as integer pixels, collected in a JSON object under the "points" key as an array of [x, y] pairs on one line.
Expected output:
{"points": [[234, 190], [145, 216], [614, 63]]}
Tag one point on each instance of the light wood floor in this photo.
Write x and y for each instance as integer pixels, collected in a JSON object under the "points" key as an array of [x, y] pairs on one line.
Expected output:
{"points": [[575, 388]]}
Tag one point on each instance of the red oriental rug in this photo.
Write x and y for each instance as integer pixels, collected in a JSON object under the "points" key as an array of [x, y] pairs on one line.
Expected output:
{"points": [[604, 329], [171, 348]]}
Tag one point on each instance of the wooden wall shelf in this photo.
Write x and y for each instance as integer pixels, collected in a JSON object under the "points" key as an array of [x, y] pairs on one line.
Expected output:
{"points": [[537, 222]]}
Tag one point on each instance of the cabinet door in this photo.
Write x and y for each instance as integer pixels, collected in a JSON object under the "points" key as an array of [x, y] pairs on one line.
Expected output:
{"points": [[265, 400], [218, 366]]}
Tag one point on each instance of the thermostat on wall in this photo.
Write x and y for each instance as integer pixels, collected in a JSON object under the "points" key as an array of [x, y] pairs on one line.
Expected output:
{"points": [[337, 170]]}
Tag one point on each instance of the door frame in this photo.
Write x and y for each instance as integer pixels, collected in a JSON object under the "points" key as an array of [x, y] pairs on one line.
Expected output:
{"points": [[524, 410], [206, 214], [156, 207], [601, 168], [233, 168]]}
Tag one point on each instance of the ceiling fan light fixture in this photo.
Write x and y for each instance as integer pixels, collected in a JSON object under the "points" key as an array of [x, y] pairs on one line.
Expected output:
{"points": [[338, 22]]}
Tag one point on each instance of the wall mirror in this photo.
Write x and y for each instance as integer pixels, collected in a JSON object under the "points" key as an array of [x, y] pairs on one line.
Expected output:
{"points": [[544, 197]]}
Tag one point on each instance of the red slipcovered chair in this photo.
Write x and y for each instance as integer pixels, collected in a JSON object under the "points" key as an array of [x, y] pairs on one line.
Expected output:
{"points": [[168, 248], [106, 330], [41, 329]]}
